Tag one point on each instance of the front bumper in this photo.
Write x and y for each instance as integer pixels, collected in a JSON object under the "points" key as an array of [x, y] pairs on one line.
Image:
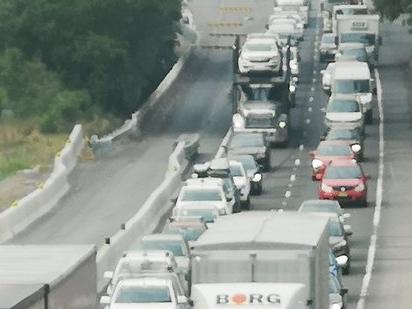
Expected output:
{"points": [[248, 67], [351, 196]]}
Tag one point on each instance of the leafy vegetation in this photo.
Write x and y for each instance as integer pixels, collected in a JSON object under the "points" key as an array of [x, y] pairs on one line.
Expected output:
{"points": [[70, 60], [392, 9]]}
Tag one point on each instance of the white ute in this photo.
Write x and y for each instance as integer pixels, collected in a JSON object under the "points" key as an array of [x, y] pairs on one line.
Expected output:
{"points": [[249, 296]]}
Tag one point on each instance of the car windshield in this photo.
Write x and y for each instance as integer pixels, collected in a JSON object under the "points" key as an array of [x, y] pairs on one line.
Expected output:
{"points": [[236, 170], [248, 163], [259, 121], [259, 47], [364, 38], [333, 285], [188, 233], [328, 39], [143, 294], [207, 215], [335, 229], [334, 150], [200, 195], [343, 172], [357, 52], [343, 106], [350, 86], [320, 207], [176, 247], [343, 135], [247, 140]]}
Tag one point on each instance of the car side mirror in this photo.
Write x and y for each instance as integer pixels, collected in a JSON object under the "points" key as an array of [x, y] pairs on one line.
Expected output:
{"points": [[322, 138], [348, 230], [267, 26], [105, 300], [108, 275], [343, 292], [173, 200]]}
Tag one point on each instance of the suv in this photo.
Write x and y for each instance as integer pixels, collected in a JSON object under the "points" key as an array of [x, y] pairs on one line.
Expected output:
{"points": [[260, 55]]}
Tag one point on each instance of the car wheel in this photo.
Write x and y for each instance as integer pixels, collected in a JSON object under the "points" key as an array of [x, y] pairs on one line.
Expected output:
{"points": [[247, 204], [259, 190], [346, 270], [369, 116]]}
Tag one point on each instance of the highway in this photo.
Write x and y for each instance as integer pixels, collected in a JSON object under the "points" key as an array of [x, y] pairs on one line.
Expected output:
{"points": [[110, 190]]}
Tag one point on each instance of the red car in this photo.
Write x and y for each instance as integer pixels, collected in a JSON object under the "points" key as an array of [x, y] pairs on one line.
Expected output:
{"points": [[326, 152], [344, 181]]}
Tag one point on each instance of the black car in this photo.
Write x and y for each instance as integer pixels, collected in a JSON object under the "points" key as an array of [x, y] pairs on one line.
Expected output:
{"points": [[251, 143]]}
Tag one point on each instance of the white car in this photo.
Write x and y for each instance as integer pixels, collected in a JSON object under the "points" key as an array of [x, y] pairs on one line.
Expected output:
{"points": [[203, 193], [174, 243], [260, 55], [298, 6], [134, 263], [278, 21], [337, 295], [327, 77], [145, 293], [287, 32], [203, 182], [242, 182], [289, 15], [344, 111]]}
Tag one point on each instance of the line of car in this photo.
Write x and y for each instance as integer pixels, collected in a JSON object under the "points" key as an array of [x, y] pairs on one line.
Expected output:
{"points": [[156, 272]]}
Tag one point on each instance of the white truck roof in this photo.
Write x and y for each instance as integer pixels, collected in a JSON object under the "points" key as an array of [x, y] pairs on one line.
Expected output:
{"points": [[351, 70], [267, 230], [249, 295]]}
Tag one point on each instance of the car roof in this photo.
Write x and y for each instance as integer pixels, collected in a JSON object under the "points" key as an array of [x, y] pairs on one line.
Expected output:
{"points": [[351, 70], [219, 164], [344, 163], [148, 254], [163, 237], [346, 97], [332, 143], [144, 281]]}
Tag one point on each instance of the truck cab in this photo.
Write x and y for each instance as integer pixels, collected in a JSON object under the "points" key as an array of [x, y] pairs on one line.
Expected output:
{"points": [[265, 117], [249, 295]]}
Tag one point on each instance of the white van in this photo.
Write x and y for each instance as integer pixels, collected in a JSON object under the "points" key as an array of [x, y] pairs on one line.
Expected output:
{"points": [[354, 78]]}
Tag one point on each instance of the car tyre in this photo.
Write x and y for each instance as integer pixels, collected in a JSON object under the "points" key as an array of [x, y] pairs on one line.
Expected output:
{"points": [[259, 190], [346, 270], [369, 117]]}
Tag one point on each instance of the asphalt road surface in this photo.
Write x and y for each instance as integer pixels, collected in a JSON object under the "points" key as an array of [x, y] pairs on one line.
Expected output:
{"points": [[109, 191]]}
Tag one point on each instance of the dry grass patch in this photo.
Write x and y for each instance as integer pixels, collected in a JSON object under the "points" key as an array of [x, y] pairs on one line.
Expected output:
{"points": [[22, 146]]}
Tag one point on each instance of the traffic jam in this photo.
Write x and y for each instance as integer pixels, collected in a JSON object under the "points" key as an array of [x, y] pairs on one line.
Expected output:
{"points": [[215, 250]]}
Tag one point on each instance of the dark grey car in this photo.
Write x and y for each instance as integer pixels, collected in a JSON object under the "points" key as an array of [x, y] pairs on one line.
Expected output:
{"points": [[251, 143]]}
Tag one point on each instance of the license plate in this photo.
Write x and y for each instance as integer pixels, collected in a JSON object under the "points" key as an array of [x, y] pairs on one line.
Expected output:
{"points": [[342, 194]]}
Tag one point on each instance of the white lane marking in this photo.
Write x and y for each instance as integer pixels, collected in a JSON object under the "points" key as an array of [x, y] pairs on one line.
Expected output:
{"points": [[288, 194], [309, 109], [377, 214], [297, 161], [301, 147], [293, 178], [312, 89], [307, 121], [315, 72], [314, 80], [284, 203], [290, 185], [311, 99]]}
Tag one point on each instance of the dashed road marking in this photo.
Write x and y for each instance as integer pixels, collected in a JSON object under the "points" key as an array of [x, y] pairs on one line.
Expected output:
{"points": [[309, 109], [292, 178], [311, 99], [288, 194], [307, 121], [379, 190]]}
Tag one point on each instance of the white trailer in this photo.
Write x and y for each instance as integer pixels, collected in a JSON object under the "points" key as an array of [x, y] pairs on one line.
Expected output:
{"points": [[266, 247], [269, 295], [43, 277], [348, 10], [360, 29]]}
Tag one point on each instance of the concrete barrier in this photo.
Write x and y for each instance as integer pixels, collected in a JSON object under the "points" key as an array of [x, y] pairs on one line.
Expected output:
{"points": [[221, 152], [33, 206], [147, 218]]}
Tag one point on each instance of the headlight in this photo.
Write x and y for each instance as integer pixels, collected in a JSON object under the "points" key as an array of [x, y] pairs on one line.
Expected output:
{"points": [[356, 148], [257, 177], [340, 244], [238, 121], [292, 88], [282, 124], [316, 164], [336, 306], [360, 187], [326, 188]]}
